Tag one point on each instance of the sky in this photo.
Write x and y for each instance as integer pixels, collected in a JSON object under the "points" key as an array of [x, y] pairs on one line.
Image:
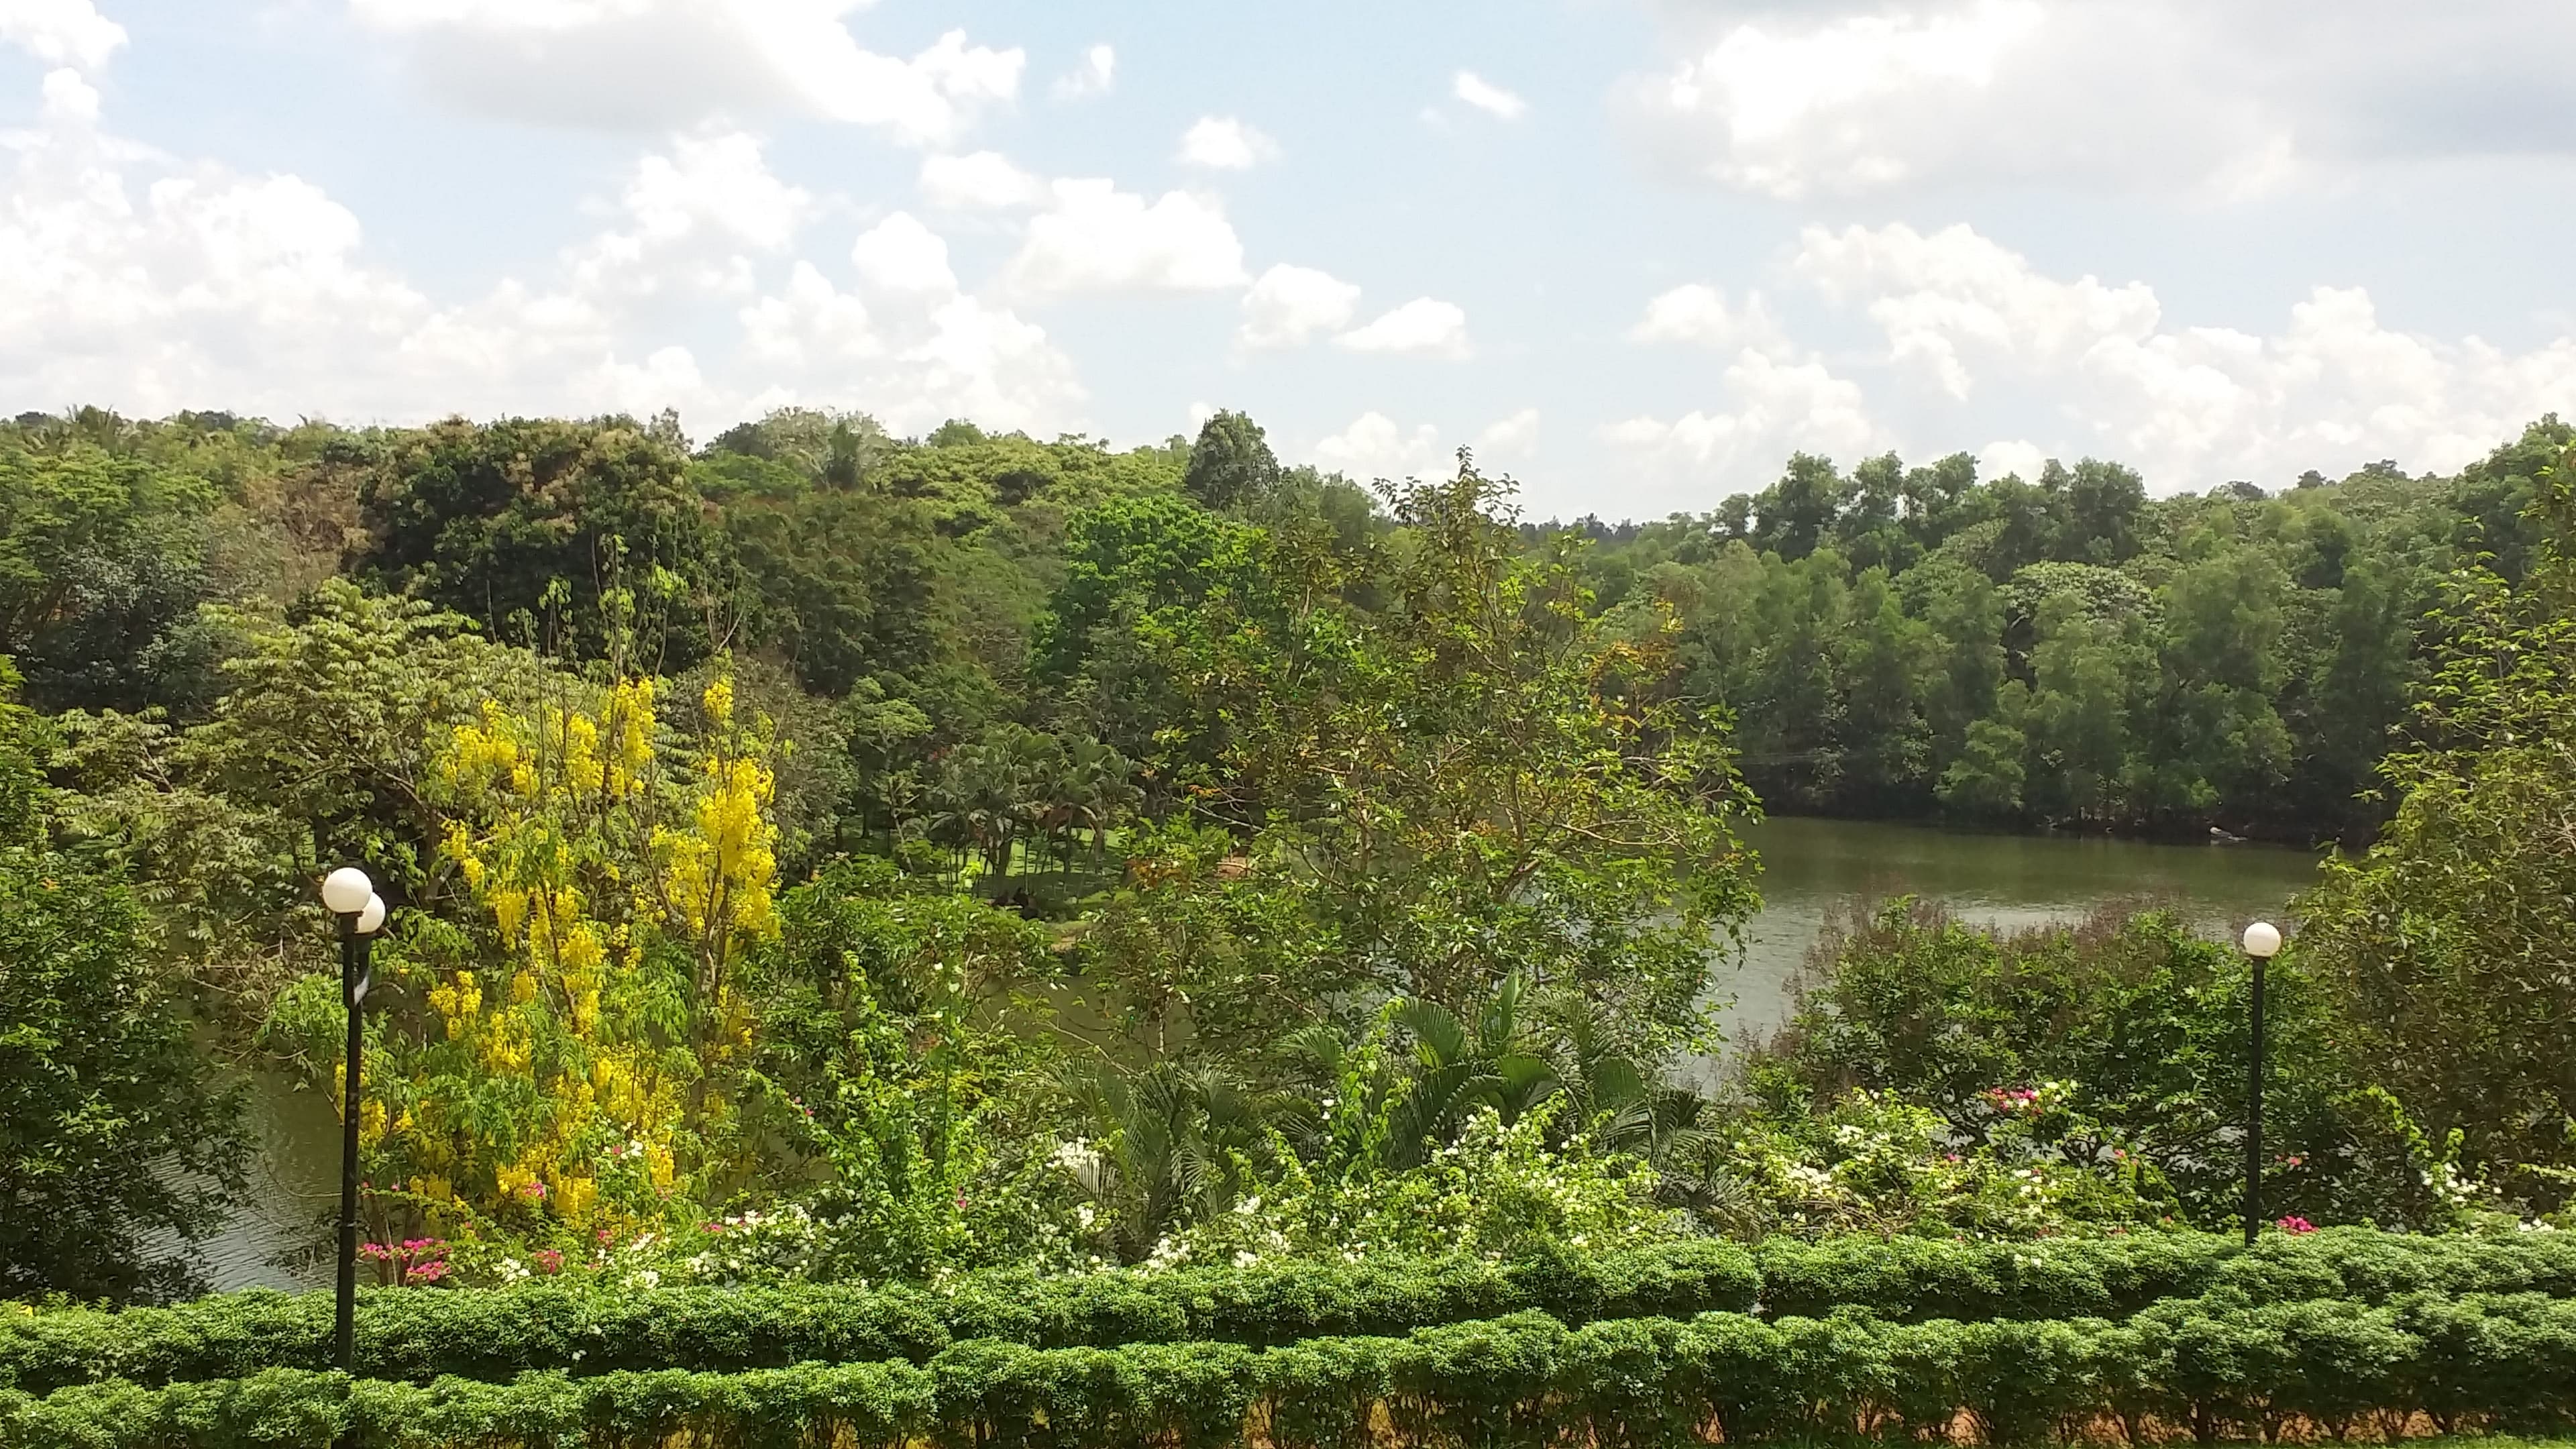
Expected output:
{"points": [[1633, 253]]}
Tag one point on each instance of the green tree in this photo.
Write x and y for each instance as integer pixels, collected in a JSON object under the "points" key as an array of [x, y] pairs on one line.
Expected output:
{"points": [[1965, 616], [1231, 465], [1885, 660], [1482, 778], [897, 1064], [1795, 514], [534, 523], [102, 563], [2449, 942], [114, 1131]]}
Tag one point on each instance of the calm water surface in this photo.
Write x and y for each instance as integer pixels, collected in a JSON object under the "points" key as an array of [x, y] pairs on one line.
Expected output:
{"points": [[1817, 872], [1814, 872]]}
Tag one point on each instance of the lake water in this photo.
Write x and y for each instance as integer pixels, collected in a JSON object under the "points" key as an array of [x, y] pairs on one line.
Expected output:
{"points": [[1817, 871], [1814, 871]]}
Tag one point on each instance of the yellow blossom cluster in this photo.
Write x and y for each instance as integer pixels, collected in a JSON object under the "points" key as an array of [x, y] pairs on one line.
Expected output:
{"points": [[585, 854]]}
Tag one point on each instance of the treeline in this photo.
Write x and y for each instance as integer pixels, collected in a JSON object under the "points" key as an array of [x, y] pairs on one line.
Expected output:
{"points": [[2065, 650], [1888, 641]]}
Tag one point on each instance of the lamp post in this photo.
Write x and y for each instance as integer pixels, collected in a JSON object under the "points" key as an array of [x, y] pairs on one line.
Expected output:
{"points": [[349, 895], [2262, 942]]}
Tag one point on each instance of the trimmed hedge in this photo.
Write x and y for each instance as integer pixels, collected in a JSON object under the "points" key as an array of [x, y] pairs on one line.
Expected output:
{"points": [[417, 1334], [1919, 1278], [423, 1334], [2209, 1370]]}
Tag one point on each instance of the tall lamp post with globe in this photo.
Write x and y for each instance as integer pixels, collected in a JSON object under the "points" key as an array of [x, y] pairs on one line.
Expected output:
{"points": [[349, 895], [2262, 943]]}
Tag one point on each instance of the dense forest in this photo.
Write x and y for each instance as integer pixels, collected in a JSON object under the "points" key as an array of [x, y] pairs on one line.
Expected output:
{"points": [[1890, 641], [827, 855]]}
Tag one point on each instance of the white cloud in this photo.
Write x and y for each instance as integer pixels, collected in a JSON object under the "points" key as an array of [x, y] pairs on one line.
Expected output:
{"points": [[910, 347], [1225, 144], [60, 32], [2189, 405], [149, 284], [1093, 77], [1787, 110], [2018, 456], [690, 218], [2215, 98], [899, 254], [68, 98], [1512, 437], [1773, 407], [1425, 326], [1291, 306], [1700, 315], [717, 184], [911, 351], [653, 64], [983, 181], [1374, 446], [1934, 294], [1095, 238], [1485, 96]]}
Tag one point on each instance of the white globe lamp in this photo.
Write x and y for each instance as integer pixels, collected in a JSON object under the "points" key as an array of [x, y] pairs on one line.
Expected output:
{"points": [[347, 890]]}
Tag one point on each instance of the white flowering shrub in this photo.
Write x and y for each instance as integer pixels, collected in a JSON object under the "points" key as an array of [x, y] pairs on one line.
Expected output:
{"points": [[1873, 1163], [1498, 1191]]}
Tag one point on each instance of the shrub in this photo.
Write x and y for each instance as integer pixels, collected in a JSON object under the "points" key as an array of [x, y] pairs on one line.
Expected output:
{"points": [[588, 1326], [2220, 1367]]}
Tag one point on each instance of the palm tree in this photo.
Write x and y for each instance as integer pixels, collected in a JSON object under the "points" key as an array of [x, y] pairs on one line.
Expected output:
{"points": [[1458, 1071], [1099, 788], [1171, 1144]]}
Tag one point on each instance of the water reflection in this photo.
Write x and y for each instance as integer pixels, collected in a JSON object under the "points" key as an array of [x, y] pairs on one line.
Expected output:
{"points": [[294, 1191], [1816, 871]]}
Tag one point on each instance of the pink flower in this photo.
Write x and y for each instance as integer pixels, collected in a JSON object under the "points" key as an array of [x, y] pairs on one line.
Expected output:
{"points": [[534, 1191], [549, 1260], [2295, 1225]]}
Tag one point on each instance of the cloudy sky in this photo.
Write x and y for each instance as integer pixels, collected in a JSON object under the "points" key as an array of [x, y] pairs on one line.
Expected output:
{"points": [[1634, 252]]}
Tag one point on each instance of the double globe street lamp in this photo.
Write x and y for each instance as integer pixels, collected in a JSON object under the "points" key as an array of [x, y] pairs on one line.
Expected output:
{"points": [[2262, 943], [349, 895]]}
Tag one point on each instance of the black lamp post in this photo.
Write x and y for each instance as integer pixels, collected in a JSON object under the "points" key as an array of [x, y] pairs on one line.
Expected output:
{"points": [[2262, 942], [349, 895]]}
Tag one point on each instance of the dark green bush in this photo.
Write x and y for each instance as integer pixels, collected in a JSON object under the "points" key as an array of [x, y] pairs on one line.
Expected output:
{"points": [[417, 1335], [2218, 1368], [1921, 1278]]}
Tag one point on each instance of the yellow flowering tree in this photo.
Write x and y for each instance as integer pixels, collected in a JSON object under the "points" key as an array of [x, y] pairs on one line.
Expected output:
{"points": [[585, 1030]]}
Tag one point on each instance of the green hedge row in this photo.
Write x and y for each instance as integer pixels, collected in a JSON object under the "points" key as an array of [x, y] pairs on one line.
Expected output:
{"points": [[1917, 1278], [1519, 1382], [417, 1335]]}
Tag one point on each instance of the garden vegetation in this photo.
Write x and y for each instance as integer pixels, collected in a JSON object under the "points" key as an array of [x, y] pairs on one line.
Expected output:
{"points": [[986, 941]]}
